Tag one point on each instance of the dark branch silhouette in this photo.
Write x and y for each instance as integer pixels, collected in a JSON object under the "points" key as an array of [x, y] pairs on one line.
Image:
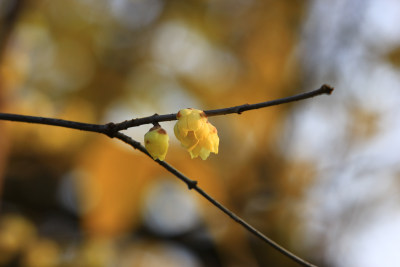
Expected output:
{"points": [[98, 128], [324, 89], [112, 130], [193, 185]]}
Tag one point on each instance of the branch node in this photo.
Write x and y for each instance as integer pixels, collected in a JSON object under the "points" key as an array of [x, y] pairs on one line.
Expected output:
{"points": [[155, 122], [241, 108], [192, 184], [110, 129], [327, 89]]}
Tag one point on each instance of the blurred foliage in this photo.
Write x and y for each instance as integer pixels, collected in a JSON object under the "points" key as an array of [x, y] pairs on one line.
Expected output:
{"points": [[110, 61], [73, 198]]}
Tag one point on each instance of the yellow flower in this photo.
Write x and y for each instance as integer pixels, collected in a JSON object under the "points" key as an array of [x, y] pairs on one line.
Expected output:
{"points": [[156, 142], [195, 133]]}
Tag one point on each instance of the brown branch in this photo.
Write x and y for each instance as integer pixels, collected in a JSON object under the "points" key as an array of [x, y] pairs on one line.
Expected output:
{"points": [[111, 129], [99, 128], [324, 89], [193, 185]]}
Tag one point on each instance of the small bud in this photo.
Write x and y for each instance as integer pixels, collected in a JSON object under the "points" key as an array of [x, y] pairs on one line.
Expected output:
{"points": [[156, 142]]}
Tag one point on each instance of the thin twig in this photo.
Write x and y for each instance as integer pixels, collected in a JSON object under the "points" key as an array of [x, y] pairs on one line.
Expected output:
{"points": [[193, 185], [324, 89], [111, 129]]}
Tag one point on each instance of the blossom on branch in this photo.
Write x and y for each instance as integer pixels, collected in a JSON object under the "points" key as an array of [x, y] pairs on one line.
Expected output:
{"points": [[156, 142], [196, 133]]}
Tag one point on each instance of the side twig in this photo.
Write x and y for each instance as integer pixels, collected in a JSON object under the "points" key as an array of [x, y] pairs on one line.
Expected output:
{"points": [[324, 89], [193, 185]]}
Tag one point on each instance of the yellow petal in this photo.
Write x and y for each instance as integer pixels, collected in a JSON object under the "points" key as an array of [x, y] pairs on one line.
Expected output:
{"points": [[194, 121], [213, 139], [204, 153], [189, 142], [183, 112], [202, 132], [194, 153], [179, 132]]}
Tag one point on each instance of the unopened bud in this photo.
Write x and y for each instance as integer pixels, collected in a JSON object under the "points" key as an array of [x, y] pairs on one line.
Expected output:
{"points": [[156, 142]]}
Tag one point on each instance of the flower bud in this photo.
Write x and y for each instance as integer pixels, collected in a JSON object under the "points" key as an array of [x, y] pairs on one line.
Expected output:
{"points": [[196, 134], [156, 142]]}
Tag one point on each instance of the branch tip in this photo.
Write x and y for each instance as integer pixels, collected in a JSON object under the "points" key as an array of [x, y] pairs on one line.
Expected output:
{"points": [[327, 89]]}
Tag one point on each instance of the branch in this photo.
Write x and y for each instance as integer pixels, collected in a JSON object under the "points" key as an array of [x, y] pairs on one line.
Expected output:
{"points": [[193, 185], [98, 128], [324, 89], [112, 130]]}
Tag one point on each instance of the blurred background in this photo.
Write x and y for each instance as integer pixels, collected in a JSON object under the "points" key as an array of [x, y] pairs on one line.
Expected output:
{"points": [[320, 176]]}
